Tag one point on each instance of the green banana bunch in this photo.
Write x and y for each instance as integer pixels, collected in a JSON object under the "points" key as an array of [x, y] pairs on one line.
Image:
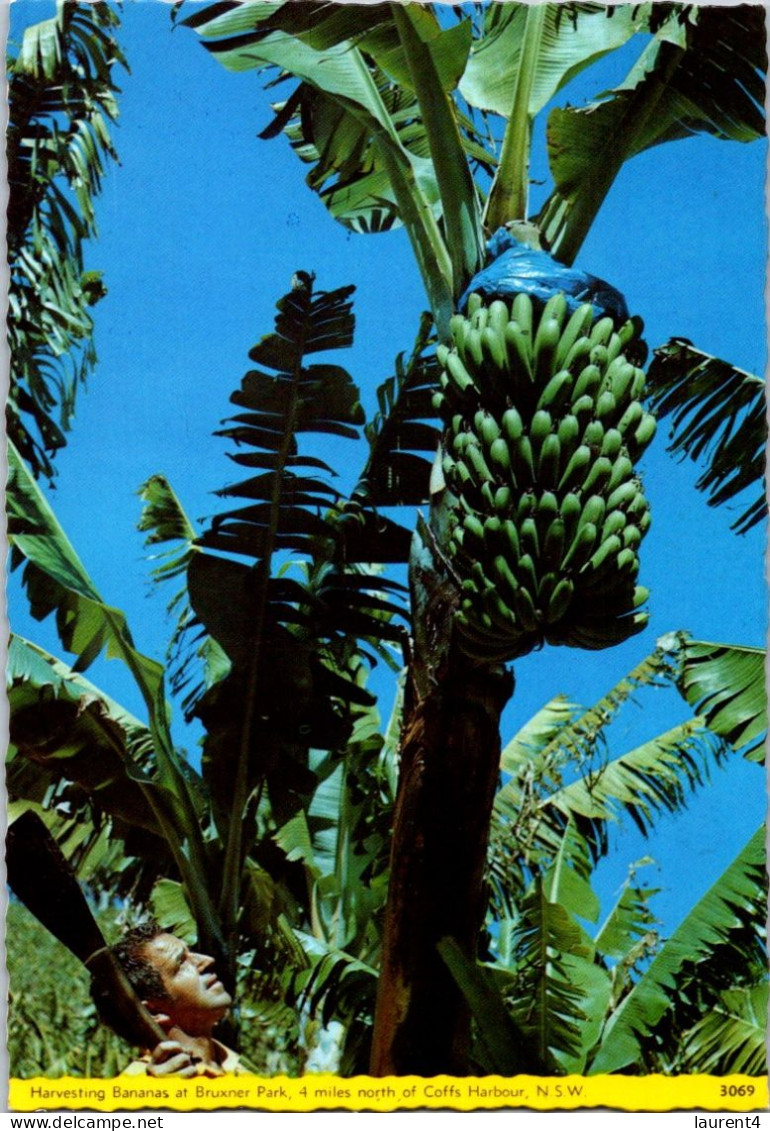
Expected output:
{"points": [[543, 427]]}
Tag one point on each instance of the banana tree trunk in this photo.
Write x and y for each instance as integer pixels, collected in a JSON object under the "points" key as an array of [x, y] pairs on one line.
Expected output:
{"points": [[450, 757]]}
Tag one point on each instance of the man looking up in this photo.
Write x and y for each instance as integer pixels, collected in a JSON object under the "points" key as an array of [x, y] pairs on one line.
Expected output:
{"points": [[183, 993]]}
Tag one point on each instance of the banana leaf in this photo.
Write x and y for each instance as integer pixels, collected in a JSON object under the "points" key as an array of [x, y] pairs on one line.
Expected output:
{"points": [[701, 73], [718, 418], [726, 684], [736, 898]]}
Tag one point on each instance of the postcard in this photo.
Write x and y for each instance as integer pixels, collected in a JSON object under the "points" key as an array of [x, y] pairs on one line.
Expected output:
{"points": [[386, 512]]}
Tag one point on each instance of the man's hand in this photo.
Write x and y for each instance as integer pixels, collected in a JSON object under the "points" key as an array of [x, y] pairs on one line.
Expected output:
{"points": [[169, 1059]]}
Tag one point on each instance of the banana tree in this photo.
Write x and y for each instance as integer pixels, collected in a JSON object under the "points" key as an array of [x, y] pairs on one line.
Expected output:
{"points": [[202, 846], [384, 107]]}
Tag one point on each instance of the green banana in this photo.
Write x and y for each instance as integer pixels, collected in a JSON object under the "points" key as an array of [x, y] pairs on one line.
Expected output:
{"points": [[622, 470], [588, 382], [606, 408], [479, 466], [512, 542], [547, 509], [487, 428], [523, 460], [559, 601], [614, 523], [460, 375], [582, 547], [632, 537], [598, 475], [493, 344], [519, 350], [576, 329], [601, 331], [500, 455], [612, 443], [583, 409], [594, 510], [594, 434], [556, 308], [608, 548], [569, 434], [553, 543], [525, 610], [540, 427], [474, 349], [505, 577], [545, 588], [576, 467], [546, 341], [479, 318], [503, 499], [557, 392], [526, 572], [513, 425], [622, 496], [577, 357], [499, 316], [631, 418], [530, 541], [645, 431], [521, 312], [549, 462], [598, 356]]}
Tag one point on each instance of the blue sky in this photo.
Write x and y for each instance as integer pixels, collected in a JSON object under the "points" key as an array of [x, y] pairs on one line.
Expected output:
{"points": [[201, 228]]}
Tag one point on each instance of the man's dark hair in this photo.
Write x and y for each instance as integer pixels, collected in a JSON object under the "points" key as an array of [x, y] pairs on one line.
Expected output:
{"points": [[142, 975]]}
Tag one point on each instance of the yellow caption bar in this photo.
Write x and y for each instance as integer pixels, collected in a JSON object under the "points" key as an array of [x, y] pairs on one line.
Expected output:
{"points": [[365, 1093]]}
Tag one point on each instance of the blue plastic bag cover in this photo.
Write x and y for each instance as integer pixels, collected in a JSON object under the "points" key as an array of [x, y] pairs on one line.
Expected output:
{"points": [[516, 267]]}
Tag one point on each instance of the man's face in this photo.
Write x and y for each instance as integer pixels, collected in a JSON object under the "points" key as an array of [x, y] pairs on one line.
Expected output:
{"points": [[195, 998]]}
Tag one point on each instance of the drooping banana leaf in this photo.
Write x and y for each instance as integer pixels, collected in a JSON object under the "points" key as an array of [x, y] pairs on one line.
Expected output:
{"points": [[726, 684], [57, 582], [63, 726], [735, 900], [538, 733], [702, 72], [61, 98], [718, 418], [83, 763]]}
